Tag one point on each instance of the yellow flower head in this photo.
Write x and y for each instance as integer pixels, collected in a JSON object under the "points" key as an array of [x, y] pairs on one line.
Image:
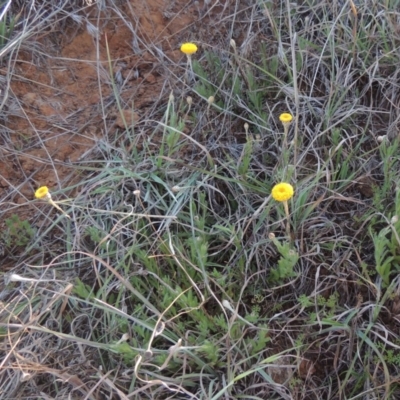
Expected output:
{"points": [[282, 191], [42, 192], [188, 48], [286, 118]]}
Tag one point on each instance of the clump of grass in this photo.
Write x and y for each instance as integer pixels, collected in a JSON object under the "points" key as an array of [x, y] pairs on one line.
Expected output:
{"points": [[187, 280]]}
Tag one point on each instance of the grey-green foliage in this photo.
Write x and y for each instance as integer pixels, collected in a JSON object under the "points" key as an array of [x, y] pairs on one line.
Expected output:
{"points": [[96, 235], [391, 356], [203, 87], [82, 290], [18, 232], [286, 262], [387, 245], [383, 259], [211, 352], [386, 250], [7, 25], [389, 152]]}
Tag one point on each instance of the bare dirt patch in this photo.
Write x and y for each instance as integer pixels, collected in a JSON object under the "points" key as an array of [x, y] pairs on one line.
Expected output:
{"points": [[62, 96]]}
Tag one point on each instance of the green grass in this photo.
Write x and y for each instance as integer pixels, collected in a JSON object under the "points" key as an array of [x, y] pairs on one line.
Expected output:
{"points": [[176, 278]]}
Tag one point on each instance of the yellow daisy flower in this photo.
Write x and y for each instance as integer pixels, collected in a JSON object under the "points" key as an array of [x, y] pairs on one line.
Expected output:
{"points": [[285, 118], [42, 192], [282, 191], [188, 48]]}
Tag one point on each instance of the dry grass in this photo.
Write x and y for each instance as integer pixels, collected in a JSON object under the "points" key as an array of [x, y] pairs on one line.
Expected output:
{"points": [[166, 281]]}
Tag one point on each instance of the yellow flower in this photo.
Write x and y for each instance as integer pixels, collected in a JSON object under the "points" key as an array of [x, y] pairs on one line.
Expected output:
{"points": [[42, 192], [286, 118], [282, 191], [188, 48]]}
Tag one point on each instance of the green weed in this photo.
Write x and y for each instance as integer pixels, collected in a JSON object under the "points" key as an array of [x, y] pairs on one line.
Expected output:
{"points": [[18, 232], [286, 263]]}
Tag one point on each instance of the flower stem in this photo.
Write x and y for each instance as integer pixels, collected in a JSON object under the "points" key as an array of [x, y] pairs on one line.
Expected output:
{"points": [[58, 208], [189, 70], [286, 206]]}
